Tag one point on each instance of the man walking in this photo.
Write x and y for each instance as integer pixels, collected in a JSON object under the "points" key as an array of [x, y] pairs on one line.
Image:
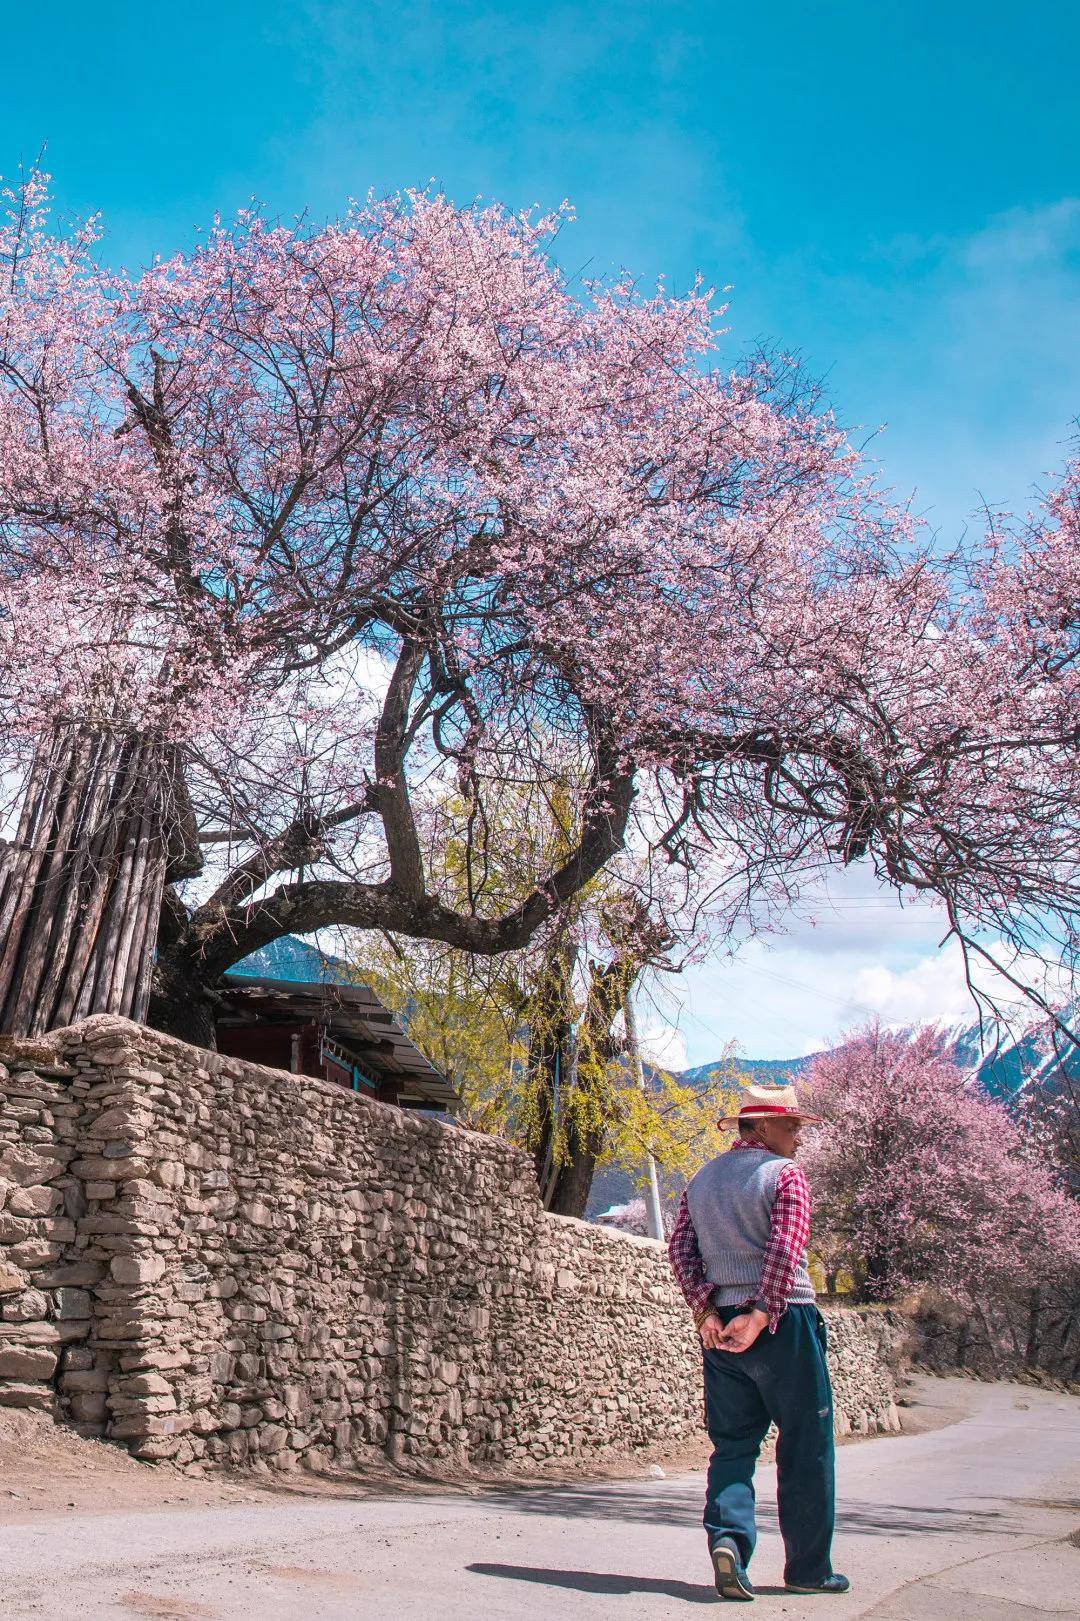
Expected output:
{"points": [[738, 1252]]}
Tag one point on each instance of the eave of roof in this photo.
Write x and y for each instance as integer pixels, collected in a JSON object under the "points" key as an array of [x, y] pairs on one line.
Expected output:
{"points": [[355, 1013]]}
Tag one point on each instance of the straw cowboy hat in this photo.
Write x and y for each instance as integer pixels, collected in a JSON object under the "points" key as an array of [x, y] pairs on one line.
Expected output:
{"points": [[768, 1102]]}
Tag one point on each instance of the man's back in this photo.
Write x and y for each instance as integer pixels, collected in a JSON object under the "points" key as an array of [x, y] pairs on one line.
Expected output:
{"points": [[731, 1203], [738, 1251]]}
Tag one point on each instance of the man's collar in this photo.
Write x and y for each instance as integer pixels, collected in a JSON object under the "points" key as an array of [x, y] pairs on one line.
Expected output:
{"points": [[748, 1142]]}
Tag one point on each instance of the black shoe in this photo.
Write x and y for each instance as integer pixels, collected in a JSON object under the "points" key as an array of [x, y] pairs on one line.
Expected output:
{"points": [[831, 1584], [729, 1572]]}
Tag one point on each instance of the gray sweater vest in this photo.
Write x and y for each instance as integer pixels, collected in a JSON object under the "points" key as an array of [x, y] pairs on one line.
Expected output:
{"points": [[731, 1200]]}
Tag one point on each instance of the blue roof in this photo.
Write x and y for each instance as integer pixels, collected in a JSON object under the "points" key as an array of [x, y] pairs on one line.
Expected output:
{"points": [[294, 960]]}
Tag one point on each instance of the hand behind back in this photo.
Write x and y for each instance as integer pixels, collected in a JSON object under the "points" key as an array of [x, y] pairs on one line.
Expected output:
{"points": [[712, 1332], [742, 1331]]}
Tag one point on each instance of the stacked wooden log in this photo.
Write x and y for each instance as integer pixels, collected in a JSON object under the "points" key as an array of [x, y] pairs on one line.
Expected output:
{"points": [[81, 882]]}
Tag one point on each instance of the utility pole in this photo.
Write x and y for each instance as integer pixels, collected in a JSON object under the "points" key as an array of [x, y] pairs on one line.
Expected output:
{"points": [[652, 1200]]}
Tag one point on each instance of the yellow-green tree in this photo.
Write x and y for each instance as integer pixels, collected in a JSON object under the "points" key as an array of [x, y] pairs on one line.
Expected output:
{"points": [[536, 1049], [533, 1039]]}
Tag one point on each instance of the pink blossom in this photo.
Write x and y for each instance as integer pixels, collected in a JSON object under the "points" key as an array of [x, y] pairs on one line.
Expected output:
{"points": [[920, 1179]]}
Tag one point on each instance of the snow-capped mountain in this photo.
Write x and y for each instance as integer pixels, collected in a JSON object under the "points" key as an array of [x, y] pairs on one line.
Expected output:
{"points": [[1004, 1060], [1007, 1059]]}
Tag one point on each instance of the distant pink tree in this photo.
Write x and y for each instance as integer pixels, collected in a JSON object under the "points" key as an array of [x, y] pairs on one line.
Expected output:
{"points": [[631, 1217], [920, 1179]]}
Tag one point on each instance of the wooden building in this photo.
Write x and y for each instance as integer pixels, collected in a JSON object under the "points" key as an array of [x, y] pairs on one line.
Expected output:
{"points": [[341, 1033]]}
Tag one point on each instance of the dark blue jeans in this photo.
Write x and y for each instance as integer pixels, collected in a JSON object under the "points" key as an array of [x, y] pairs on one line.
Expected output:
{"points": [[782, 1377]]}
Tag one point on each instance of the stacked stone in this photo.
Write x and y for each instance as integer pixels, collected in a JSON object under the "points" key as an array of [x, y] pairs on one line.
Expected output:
{"points": [[274, 1273], [44, 1306], [865, 1349], [130, 1211]]}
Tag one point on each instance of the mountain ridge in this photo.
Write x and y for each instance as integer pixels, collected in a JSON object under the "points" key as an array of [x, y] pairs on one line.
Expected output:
{"points": [[1004, 1061]]}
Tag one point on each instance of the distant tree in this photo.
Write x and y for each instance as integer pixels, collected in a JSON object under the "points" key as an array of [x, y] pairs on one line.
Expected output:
{"points": [[627, 1218], [1048, 1111], [919, 1179]]}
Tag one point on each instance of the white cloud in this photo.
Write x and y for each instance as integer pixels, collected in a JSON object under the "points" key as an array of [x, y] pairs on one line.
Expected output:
{"points": [[933, 990], [1045, 237], [665, 1046], [851, 953], [788, 1000]]}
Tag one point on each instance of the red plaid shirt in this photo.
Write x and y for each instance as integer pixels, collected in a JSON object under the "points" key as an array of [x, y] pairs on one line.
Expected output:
{"points": [[788, 1238]]}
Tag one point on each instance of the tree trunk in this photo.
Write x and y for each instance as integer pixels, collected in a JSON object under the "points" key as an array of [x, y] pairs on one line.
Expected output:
{"points": [[1034, 1326], [81, 883], [566, 1150], [569, 1195], [584, 1118], [181, 1003], [547, 1067], [549, 1018], [574, 1085], [860, 1290], [877, 1284]]}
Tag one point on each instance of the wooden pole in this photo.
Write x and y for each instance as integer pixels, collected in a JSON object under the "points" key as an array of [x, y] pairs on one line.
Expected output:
{"points": [[653, 1210], [82, 883]]}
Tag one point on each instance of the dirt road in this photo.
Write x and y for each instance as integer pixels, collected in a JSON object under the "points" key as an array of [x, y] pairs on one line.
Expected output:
{"points": [[964, 1522]]}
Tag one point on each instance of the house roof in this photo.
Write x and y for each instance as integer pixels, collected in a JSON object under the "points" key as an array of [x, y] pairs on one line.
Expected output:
{"points": [[353, 1016]]}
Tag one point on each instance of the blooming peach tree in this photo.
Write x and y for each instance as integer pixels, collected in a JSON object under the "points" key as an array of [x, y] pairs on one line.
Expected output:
{"points": [[314, 539], [919, 1179]]}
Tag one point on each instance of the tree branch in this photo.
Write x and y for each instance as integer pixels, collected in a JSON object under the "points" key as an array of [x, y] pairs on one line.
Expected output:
{"points": [[391, 783], [301, 844], [218, 937]]}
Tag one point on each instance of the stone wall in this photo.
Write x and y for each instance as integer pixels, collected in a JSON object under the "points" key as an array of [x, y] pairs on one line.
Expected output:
{"points": [[215, 1262], [45, 1306]]}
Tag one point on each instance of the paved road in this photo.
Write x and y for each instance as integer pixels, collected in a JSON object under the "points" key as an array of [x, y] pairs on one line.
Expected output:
{"points": [[971, 1521]]}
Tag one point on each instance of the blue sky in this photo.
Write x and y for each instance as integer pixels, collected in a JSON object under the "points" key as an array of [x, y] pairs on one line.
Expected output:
{"points": [[890, 189]]}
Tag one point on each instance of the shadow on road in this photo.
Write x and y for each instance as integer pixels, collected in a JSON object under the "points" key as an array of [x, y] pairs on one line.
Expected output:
{"points": [[901, 1519], [638, 1504], [592, 1581]]}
